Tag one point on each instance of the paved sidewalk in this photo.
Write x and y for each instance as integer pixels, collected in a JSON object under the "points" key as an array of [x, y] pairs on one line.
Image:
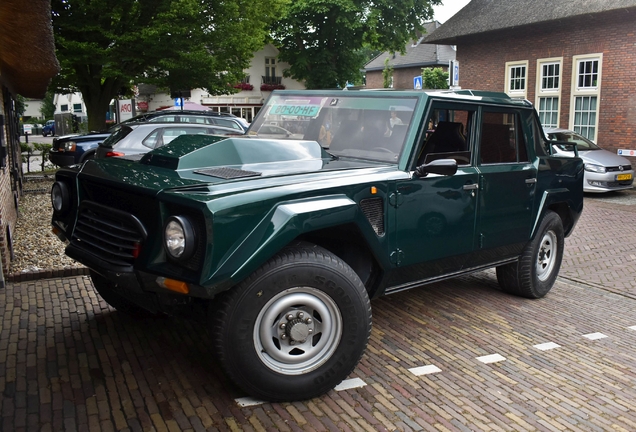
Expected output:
{"points": [[458, 355]]}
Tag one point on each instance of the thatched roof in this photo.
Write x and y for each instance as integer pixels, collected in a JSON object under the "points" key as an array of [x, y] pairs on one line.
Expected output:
{"points": [[27, 47], [417, 54], [482, 16]]}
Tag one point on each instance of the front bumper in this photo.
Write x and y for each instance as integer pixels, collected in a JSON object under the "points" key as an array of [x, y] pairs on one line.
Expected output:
{"points": [[607, 182], [62, 159]]}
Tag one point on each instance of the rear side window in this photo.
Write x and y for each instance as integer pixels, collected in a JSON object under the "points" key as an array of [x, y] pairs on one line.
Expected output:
{"points": [[163, 136], [501, 138], [117, 136]]}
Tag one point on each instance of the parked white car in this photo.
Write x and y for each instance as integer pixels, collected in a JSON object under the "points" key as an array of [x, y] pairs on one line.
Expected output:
{"points": [[604, 171]]}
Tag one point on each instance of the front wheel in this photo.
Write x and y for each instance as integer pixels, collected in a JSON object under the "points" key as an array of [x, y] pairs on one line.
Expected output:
{"points": [[295, 328], [538, 267]]}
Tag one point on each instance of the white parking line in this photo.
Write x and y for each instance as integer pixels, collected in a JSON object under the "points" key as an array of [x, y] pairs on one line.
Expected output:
{"points": [[632, 327], [492, 358], [547, 346], [594, 336], [424, 370], [349, 384]]}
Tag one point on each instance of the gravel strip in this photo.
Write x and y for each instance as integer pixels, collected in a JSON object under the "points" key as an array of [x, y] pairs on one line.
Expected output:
{"points": [[35, 247]]}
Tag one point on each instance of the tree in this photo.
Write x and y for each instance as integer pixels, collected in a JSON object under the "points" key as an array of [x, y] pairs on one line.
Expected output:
{"points": [[434, 78], [106, 47], [47, 110], [322, 40], [387, 74]]}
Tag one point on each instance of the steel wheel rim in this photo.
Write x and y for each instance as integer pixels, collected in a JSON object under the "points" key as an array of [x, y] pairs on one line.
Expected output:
{"points": [[289, 354], [546, 256]]}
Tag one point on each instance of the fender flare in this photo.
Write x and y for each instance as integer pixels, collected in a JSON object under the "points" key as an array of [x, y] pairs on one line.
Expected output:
{"points": [[279, 227]]}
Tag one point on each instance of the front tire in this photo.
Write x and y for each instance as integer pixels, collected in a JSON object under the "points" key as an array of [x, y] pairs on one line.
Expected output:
{"points": [[295, 328], [538, 267]]}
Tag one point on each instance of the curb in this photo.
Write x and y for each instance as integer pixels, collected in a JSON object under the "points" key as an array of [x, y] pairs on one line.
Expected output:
{"points": [[47, 274]]}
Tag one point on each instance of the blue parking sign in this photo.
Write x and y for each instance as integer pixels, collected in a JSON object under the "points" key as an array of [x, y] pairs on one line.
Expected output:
{"points": [[177, 102], [417, 82]]}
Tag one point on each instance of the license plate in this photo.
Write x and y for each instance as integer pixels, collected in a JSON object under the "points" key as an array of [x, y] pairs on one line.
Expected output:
{"points": [[621, 177]]}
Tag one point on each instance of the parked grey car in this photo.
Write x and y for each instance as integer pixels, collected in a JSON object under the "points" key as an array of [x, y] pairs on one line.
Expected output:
{"points": [[604, 171], [135, 139]]}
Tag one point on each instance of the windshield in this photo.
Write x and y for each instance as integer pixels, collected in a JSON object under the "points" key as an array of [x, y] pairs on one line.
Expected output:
{"points": [[351, 125], [582, 143]]}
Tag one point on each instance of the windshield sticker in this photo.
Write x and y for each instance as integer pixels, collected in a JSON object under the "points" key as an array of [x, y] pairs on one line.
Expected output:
{"points": [[295, 110]]}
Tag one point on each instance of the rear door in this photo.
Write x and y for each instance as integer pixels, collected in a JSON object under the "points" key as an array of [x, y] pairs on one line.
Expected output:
{"points": [[507, 184]]}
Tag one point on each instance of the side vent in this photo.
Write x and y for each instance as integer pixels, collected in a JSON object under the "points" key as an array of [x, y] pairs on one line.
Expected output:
{"points": [[373, 209]]}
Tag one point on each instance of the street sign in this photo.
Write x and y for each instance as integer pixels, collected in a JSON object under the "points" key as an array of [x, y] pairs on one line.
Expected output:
{"points": [[177, 102], [417, 82], [125, 109], [453, 69], [625, 152], [28, 129]]}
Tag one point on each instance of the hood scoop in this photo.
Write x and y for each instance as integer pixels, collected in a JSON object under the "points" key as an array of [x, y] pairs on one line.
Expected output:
{"points": [[227, 173]]}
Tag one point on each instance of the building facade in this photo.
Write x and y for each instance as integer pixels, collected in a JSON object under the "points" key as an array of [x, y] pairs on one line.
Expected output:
{"points": [[264, 75], [574, 64], [406, 66]]}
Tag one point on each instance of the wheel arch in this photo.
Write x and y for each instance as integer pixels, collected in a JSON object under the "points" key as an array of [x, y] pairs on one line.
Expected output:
{"points": [[560, 202]]}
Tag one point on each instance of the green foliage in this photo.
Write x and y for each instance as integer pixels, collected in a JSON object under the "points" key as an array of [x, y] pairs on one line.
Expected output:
{"points": [[106, 47], [323, 40], [434, 78], [20, 105], [47, 110], [387, 74]]}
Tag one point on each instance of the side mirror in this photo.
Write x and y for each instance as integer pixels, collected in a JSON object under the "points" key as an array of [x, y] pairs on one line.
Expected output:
{"points": [[445, 167], [563, 148]]}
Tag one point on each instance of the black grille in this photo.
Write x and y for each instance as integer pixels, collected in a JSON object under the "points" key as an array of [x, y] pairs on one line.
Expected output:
{"points": [[227, 173], [112, 235], [373, 209], [618, 168]]}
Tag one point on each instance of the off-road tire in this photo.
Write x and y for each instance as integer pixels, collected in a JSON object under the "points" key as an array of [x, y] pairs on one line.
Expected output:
{"points": [[247, 334], [104, 288], [538, 267]]}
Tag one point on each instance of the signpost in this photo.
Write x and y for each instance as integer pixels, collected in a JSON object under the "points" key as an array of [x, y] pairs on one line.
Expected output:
{"points": [[125, 109], [453, 69], [625, 152], [417, 82]]}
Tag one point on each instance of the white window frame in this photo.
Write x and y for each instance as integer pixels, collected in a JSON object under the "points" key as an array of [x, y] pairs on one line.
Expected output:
{"points": [[270, 66], [516, 93], [540, 92], [589, 91]]}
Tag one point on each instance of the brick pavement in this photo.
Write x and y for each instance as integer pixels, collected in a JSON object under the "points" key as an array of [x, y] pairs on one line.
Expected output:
{"points": [[69, 362]]}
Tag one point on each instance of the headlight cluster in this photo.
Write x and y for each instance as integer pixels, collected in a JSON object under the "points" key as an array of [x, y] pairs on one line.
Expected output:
{"points": [[60, 198], [595, 168], [70, 146], [179, 238]]}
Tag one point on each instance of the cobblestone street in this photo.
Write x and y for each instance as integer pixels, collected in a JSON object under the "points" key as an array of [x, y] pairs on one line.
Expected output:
{"points": [[458, 355]]}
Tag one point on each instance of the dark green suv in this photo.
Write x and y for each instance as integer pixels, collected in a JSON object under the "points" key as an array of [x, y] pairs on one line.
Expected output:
{"points": [[282, 236]]}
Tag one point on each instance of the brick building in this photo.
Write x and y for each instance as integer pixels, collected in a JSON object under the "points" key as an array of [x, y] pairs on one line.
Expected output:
{"points": [[408, 65], [27, 64], [574, 60]]}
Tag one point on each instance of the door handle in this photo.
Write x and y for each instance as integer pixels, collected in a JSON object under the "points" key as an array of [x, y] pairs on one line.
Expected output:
{"points": [[472, 186], [531, 181]]}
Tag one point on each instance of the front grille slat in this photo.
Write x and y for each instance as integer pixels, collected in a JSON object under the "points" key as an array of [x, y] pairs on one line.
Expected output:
{"points": [[109, 234]]}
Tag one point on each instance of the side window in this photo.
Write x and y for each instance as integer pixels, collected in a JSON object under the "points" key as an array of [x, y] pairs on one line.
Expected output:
{"points": [[501, 139], [447, 135], [226, 123], [152, 139], [166, 119]]}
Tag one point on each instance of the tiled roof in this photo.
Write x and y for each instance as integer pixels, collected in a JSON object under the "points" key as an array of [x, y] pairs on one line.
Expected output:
{"points": [[481, 16], [417, 54]]}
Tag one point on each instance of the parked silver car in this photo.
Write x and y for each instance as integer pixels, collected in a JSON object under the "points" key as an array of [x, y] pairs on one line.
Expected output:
{"points": [[604, 171], [135, 139]]}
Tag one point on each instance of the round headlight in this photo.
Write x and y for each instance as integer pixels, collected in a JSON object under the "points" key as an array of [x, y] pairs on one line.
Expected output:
{"points": [[179, 238], [60, 197]]}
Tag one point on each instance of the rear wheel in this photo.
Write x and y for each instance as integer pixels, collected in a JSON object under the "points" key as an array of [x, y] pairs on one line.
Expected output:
{"points": [[295, 328], [538, 267]]}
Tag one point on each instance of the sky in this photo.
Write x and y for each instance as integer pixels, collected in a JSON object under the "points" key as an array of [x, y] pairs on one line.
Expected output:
{"points": [[448, 9]]}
